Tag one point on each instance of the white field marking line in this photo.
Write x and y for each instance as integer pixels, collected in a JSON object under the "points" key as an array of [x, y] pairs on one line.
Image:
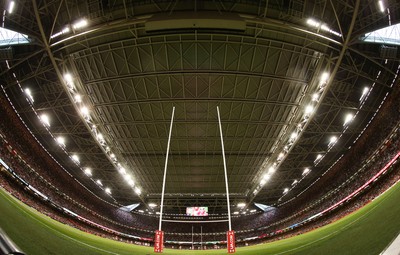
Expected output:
{"points": [[339, 230], [393, 247], [73, 239]]}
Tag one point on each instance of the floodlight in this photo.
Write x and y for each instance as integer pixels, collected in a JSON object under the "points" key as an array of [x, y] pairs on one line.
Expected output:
{"points": [[293, 136], [152, 205], [262, 182], [75, 158], [381, 6], [315, 97], [281, 155], [235, 212], [11, 7], [60, 140], [309, 109], [324, 77], [319, 156], [332, 140], [88, 171], [131, 182], [313, 22], [138, 191], [108, 190], [80, 24], [306, 171], [122, 170], [348, 119], [241, 205], [45, 120], [285, 190], [78, 98], [99, 182], [85, 111], [271, 170]]}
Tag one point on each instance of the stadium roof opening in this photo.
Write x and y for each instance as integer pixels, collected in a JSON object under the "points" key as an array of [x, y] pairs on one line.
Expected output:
{"points": [[387, 35], [9, 37]]}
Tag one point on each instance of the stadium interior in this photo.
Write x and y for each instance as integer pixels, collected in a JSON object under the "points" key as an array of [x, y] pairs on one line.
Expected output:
{"points": [[276, 119]]}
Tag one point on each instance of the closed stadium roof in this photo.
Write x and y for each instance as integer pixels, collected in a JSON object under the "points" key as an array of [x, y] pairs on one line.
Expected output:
{"points": [[295, 83]]}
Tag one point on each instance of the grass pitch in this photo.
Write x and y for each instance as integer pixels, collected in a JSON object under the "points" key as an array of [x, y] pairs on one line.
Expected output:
{"points": [[367, 231]]}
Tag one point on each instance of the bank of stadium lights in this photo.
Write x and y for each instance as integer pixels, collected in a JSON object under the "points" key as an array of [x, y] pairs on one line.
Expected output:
{"points": [[347, 119], [64, 31], [80, 24], [88, 171], [75, 158], [321, 26], [241, 205], [381, 6], [45, 120], [107, 190], [11, 6], [61, 141], [306, 171], [29, 95]]}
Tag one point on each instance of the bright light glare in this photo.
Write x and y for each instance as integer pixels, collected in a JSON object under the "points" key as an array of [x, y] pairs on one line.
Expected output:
{"points": [[108, 190], [122, 170], [306, 171], [266, 177], [262, 182], [78, 98], [152, 205], [88, 171], [85, 111], [61, 140], [319, 156], [75, 158], [315, 97], [285, 190], [45, 120], [138, 191], [271, 170], [293, 135], [281, 155], [381, 6], [80, 24], [348, 119], [324, 77], [131, 182], [241, 205], [235, 212], [68, 78], [313, 22], [294, 182], [99, 182], [332, 140], [11, 7], [309, 109]]}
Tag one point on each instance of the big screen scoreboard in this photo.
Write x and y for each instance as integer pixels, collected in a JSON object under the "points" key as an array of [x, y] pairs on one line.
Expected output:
{"points": [[197, 211]]}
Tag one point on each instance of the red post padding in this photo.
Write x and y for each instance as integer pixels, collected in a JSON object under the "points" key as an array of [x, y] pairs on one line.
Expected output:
{"points": [[230, 236], [159, 241]]}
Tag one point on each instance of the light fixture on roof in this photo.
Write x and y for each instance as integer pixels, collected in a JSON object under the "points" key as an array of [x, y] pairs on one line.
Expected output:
{"points": [[138, 191], [61, 141], [271, 170], [319, 156], [122, 170], [152, 205], [78, 98], [324, 77], [306, 171], [286, 190], [45, 120], [381, 6], [332, 140], [85, 111], [236, 212], [315, 97], [88, 171], [348, 119], [112, 155], [294, 182], [29, 94], [281, 155], [253, 211], [80, 24], [293, 136], [99, 182], [131, 182], [241, 205], [263, 181], [11, 7], [309, 109], [107, 190], [364, 93], [313, 23], [69, 80], [255, 191], [75, 158]]}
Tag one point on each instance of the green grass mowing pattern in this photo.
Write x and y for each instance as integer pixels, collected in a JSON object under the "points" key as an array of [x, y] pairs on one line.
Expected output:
{"points": [[367, 231]]}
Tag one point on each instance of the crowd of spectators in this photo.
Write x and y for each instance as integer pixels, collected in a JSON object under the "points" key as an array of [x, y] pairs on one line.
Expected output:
{"points": [[35, 168]]}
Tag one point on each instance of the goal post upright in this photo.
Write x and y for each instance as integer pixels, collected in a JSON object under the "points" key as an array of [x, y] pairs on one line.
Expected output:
{"points": [[159, 237]]}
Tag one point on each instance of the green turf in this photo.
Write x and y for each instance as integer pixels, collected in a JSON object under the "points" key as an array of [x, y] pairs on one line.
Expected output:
{"points": [[367, 231]]}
